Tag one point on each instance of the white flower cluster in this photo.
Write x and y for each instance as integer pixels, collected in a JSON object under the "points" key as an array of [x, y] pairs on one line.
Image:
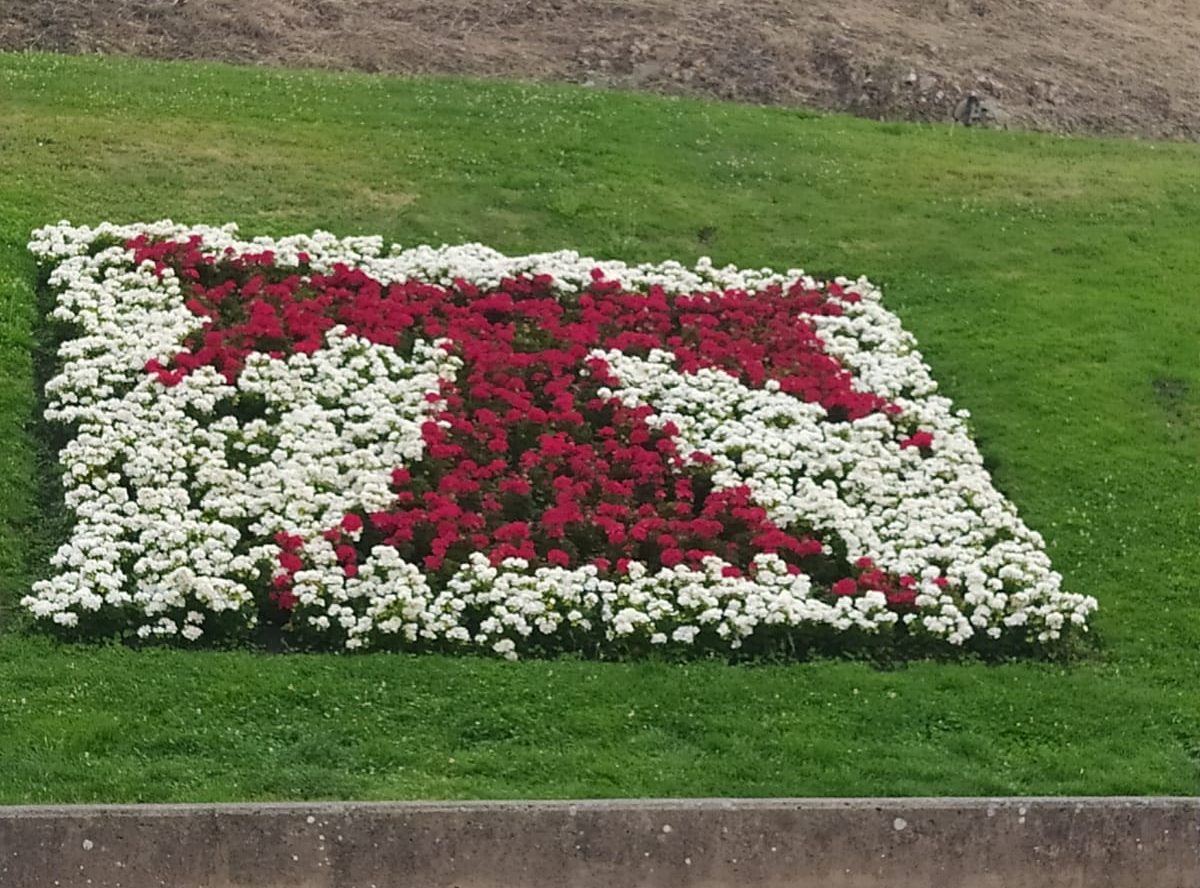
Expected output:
{"points": [[672, 605], [177, 492]]}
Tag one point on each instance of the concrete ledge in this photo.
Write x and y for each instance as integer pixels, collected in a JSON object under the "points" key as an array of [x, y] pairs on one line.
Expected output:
{"points": [[859, 843]]}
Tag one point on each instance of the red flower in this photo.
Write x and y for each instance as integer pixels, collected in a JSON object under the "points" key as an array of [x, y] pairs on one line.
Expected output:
{"points": [[922, 440], [845, 586], [288, 543], [671, 557]]}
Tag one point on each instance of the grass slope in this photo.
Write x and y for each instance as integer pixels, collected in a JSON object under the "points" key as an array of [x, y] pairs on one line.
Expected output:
{"points": [[1054, 285]]}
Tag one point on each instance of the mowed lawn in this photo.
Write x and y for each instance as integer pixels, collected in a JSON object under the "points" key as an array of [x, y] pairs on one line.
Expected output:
{"points": [[1054, 285]]}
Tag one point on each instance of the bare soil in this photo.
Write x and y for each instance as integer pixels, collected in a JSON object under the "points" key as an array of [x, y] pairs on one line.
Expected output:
{"points": [[1129, 67]]}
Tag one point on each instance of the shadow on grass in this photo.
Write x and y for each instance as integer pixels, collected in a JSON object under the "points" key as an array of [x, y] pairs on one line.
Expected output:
{"points": [[53, 521]]}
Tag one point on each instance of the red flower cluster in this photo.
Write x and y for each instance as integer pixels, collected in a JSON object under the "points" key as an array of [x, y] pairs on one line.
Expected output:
{"points": [[751, 335], [900, 591], [524, 458], [920, 440], [604, 487]]}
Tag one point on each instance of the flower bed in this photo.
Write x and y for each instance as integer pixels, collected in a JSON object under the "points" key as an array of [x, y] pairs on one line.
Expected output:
{"points": [[452, 449]]}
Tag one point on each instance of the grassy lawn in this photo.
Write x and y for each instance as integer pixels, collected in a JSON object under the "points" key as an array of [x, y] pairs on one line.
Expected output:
{"points": [[1054, 285]]}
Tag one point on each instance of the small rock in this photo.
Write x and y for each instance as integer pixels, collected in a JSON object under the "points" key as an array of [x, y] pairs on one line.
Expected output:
{"points": [[992, 113], [966, 111]]}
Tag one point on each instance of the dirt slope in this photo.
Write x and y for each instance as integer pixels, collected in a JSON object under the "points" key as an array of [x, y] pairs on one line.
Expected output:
{"points": [[1109, 66]]}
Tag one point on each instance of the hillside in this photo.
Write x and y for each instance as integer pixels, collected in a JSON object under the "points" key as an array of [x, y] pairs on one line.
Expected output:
{"points": [[1052, 284], [1094, 66]]}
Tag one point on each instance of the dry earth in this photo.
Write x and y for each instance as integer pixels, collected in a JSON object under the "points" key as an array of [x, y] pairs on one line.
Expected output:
{"points": [[1100, 66]]}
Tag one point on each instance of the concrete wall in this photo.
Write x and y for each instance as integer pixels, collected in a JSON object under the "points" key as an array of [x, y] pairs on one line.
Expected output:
{"points": [[869, 843]]}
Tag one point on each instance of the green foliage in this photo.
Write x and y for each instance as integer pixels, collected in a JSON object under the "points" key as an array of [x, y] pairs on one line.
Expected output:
{"points": [[1054, 285]]}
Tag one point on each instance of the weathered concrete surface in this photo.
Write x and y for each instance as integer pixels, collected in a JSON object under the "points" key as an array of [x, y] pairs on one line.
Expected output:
{"points": [[867, 843]]}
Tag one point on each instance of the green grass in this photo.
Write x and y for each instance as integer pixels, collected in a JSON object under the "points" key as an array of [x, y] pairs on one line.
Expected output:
{"points": [[1054, 285]]}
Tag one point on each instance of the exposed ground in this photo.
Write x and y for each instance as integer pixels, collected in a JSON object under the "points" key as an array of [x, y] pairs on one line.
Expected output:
{"points": [[1098, 66], [1054, 285]]}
